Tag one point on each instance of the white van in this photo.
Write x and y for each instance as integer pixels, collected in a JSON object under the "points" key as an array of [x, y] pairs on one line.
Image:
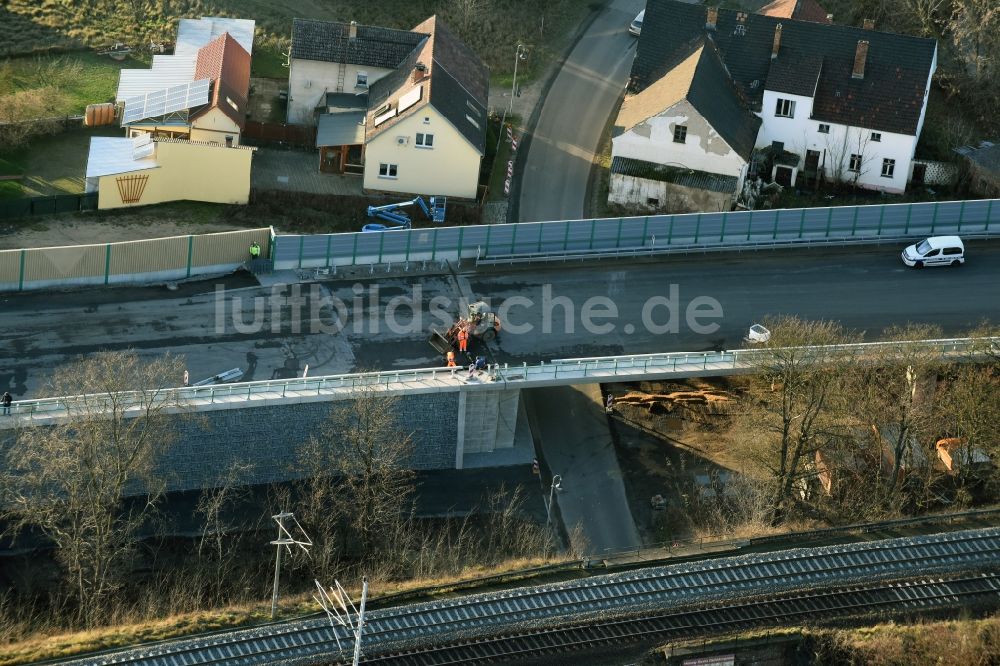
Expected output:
{"points": [[935, 251], [635, 27]]}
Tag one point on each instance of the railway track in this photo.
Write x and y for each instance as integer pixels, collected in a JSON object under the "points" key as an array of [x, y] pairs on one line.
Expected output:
{"points": [[647, 592], [920, 595]]}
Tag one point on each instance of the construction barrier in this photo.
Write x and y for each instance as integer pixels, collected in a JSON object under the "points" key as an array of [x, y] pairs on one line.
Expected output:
{"points": [[978, 218], [141, 261]]}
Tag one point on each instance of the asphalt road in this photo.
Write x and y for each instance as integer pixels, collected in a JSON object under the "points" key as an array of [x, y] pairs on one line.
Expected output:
{"points": [[573, 117], [577, 445], [866, 289]]}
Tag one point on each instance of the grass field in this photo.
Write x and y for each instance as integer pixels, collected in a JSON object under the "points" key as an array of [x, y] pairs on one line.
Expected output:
{"points": [[492, 29]]}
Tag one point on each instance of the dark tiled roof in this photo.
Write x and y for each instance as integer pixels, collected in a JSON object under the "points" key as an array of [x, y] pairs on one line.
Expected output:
{"points": [[719, 102], [228, 65], [702, 180], [456, 84], [889, 98], [795, 77], [330, 42], [801, 10]]}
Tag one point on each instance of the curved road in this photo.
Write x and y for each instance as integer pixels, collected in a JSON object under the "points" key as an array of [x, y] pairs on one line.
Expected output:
{"points": [[574, 113]]}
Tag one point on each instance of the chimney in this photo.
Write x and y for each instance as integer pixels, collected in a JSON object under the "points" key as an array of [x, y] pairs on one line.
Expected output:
{"points": [[777, 42], [869, 24], [352, 32], [712, 18], [860, 56], [419, 72]]}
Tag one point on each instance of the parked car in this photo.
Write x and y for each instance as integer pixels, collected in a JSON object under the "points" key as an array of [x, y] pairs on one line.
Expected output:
{"points": [[935, 251], [635, 27]]}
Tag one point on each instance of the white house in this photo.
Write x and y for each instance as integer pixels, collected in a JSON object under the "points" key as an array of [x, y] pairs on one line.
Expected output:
{"points": [[406, 109], [835, 102], [692, 123]]}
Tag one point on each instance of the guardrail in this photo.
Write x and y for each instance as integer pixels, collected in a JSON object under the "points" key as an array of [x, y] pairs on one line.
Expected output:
{"points": [[558, 371], [630, 235]]}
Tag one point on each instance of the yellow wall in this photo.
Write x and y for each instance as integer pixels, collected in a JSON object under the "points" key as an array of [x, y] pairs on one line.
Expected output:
{"points": [[215, 126], [191, 171], [450, 168]]}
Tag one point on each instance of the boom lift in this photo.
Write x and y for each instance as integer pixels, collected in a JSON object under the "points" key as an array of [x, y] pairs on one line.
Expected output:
{"points": [[398, 219]]}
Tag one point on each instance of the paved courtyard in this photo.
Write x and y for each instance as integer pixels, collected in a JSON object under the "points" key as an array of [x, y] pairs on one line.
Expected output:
{"points": [[298, 171]]}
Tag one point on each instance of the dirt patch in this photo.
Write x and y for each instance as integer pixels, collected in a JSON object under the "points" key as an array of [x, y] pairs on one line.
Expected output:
{"points": [[264, 104], [89, 228]]}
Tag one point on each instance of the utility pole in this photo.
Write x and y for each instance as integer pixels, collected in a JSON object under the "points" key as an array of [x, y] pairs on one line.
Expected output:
{"points": [[556, 485], [339, 607], [285, 539]]}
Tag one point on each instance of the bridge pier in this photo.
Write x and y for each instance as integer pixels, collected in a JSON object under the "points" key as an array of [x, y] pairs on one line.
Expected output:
{"points": [[487, 421]]}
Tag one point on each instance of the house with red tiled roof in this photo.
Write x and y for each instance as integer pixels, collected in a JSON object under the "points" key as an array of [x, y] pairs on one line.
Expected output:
{"points": [[182, 119], [227, 65], [201, 93], [800, 10], [405, 109]]}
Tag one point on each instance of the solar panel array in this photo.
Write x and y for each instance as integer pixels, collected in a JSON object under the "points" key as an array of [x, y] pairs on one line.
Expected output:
{"points": [[169, 100], [410, 98]]}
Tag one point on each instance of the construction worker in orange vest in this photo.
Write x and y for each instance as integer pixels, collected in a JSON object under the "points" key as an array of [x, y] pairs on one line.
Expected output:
{"points": [[463, 339], [451, 359]]}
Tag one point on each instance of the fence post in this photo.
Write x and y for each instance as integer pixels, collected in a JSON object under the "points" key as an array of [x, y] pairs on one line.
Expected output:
{"points": [[989, 211], [489, 229], [854, 225], [354, 250], [381, 244], [829, 220], [774, 231], [513, 238], [566, 236], [618, 241], [961, 214], [329, 238], [645, 226], [909, 212], [107, 262], [934, 219], [593, 225], [20, 279], [670, 232], [802, 222], [434, 247], [409, 238], [881, 215], [302, 242], [190, 253], [461, 233], [749, 225], [541, 229], [722, 232]]}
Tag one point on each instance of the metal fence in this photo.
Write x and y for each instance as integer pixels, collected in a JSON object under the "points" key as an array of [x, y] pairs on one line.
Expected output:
{"points": [[565, 371], [156, 259], [60, 203], [979, 218]]}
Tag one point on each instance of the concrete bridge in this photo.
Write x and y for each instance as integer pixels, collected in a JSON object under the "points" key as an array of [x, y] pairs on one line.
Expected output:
{"points": [[456, 421]]}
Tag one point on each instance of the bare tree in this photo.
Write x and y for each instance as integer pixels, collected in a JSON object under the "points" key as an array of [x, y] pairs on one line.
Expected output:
{"points": [[216, 548], [89, 481], [369, 458], [891, 395], [849, 155], [788, 403]]}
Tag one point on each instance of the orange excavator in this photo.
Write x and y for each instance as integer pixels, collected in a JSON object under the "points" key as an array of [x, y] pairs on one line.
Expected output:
{"points": [[481, 323]]}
